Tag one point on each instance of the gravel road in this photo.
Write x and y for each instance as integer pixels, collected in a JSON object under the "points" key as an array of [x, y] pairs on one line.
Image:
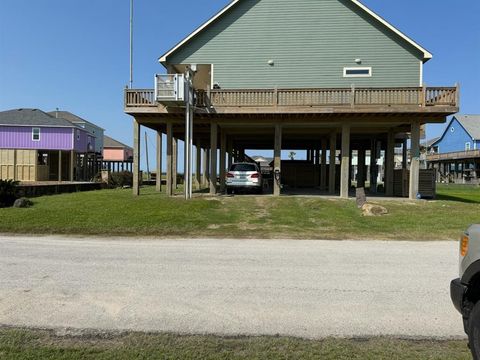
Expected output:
{"points": [[302, 288]]}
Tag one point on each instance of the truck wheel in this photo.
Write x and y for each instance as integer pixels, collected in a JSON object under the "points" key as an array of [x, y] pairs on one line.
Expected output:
{"points": [[474, 331]]}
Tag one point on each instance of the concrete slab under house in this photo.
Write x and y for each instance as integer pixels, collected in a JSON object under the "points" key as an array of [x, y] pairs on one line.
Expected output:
{"points": [[328, 77]]}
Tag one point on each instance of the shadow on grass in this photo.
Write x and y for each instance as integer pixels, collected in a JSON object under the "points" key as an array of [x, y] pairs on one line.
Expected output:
{"points": [[456, 198]]}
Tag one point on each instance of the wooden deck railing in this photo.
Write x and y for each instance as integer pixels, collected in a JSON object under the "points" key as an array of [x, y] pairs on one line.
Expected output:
{"points": [[347, 97], [139, 97], [467, 154]]}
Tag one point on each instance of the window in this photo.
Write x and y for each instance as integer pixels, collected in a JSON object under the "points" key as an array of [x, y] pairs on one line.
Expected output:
{"points": [[357, 72], [467, 146], [36, 134], [243, 167]]}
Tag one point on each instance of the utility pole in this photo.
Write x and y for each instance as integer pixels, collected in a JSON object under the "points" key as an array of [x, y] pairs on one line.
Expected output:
{"points": [[131, 44]]}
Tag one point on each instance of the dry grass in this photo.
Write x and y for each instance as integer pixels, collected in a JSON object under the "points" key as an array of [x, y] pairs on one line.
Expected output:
{"points": [[16, 344]]}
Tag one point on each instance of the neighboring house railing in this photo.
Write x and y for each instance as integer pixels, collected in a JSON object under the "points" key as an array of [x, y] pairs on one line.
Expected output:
{"points": [[347, 97], [467, 154]]}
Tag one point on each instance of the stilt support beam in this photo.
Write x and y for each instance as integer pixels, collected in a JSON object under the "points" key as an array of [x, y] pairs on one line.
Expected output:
{"points": [[345, 165], [277, 169], [333, 163], [158, 181], [213, 158], [414, 160], [390, 163], [136, 158], [169, 159]]}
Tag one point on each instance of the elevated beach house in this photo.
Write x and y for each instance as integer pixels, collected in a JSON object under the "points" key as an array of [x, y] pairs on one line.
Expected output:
{"points": [[90, 127], [456, 154], [327, 76], [116, 155], [35, 146]]}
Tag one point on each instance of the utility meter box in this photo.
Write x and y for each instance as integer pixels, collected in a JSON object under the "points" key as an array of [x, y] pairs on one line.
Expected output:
{"points": [[170, 88]]}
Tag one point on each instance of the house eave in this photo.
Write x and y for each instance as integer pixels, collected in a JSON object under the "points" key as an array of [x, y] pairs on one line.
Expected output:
{"points": [[43, 126]]}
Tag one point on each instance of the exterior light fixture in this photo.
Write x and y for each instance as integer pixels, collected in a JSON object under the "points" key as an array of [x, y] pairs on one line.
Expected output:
{"points": [[271, 62], [358, 61]]}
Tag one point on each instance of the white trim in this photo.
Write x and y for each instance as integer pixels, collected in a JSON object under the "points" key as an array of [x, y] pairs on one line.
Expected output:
{"points": [[426, 54], [211, 77], [469, 146], [33, 133], [40, 126], [368, 68], [421, 73]]}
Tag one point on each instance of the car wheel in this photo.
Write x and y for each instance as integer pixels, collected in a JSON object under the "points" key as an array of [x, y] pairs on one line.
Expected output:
{"points": [[474, 331]]}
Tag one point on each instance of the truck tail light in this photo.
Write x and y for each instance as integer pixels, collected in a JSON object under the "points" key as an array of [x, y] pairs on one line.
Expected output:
{"points": [[464, 245]]}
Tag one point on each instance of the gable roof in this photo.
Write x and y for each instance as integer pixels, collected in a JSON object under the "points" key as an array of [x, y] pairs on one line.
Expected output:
{"points": [[432, 141], [32, 117], [471, 124], [426, 54], [74, 119], [109, 142]]}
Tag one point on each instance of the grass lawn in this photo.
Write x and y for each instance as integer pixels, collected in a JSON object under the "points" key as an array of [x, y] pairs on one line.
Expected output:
{"points": [[39, 344], [117, 212]]}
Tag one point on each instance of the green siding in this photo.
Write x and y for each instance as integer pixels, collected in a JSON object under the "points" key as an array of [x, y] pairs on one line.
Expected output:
{"points": [[310, 41]]}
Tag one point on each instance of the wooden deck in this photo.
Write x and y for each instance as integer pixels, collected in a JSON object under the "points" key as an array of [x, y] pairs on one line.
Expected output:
{"points": [[459, 155], [348, 100]]}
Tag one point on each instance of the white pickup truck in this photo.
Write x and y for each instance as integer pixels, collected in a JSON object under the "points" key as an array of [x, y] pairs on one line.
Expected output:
{"points": [[465, 291]]}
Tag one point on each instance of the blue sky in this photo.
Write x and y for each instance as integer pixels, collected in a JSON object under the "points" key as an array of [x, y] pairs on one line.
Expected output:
{"points": [[74, 54]]}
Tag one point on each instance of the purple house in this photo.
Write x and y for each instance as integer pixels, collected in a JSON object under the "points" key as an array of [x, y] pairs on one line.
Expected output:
{"points": [[35, 146]]}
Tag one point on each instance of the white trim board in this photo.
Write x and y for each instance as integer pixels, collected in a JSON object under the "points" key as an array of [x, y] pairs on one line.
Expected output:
{"points": [[426, 54]]}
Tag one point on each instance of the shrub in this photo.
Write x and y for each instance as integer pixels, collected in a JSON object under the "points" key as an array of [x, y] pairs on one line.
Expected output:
{"points": [[120, 179], [7, 192]]}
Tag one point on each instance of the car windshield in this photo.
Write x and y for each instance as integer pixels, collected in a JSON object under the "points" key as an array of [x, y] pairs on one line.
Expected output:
{"points": [[243, 167]]}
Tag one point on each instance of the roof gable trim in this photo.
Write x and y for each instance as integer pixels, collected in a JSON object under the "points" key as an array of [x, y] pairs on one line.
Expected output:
{"points": [[426, 54], [449, 126]]}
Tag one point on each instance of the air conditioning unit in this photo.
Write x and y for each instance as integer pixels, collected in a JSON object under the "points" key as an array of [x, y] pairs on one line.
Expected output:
{"points": [[170, 88]]}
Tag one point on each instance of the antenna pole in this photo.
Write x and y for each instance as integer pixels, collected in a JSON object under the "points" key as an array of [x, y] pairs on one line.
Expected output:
{"points": [[131, 44]]}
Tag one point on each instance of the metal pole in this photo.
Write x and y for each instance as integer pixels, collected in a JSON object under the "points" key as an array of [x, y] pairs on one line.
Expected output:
{"points": [[190, 148], [186, 189], [131, 44]]}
